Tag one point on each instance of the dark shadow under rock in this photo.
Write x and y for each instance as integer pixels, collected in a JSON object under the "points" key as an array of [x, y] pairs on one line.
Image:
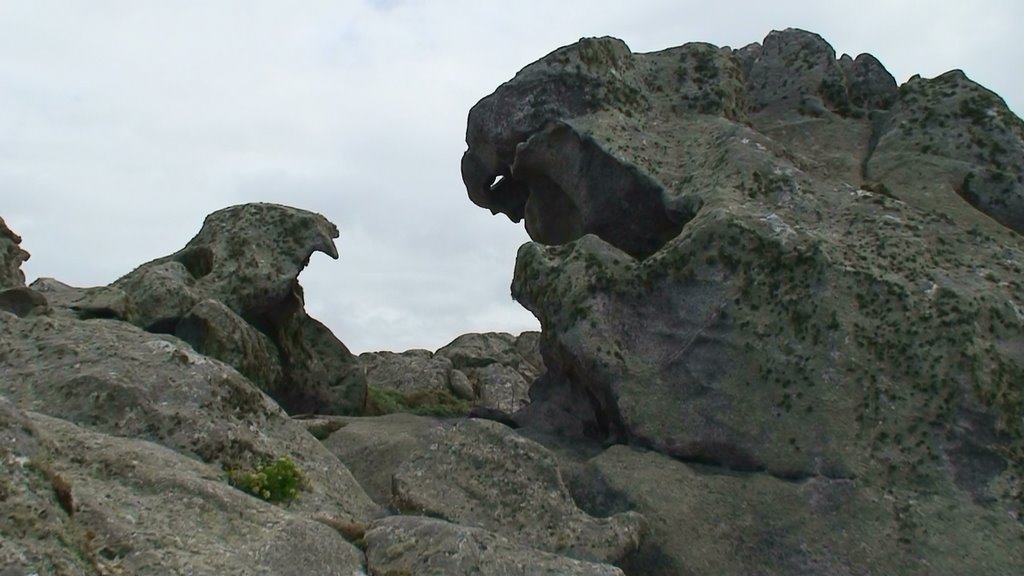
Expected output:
{"points": [[22, 301]]}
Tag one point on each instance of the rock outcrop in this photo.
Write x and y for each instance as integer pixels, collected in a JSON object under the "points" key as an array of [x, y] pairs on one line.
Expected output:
{"points": [[498, 366], [132, 451], [112, 377], [483, 474], [766, 262], [757, 524], [484, 374], [948, 132], [11, 257], [233, 293], [122, 444], [85, 303]]}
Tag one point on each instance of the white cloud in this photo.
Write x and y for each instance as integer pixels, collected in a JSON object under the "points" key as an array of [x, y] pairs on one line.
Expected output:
{"points": [[123, 123]]}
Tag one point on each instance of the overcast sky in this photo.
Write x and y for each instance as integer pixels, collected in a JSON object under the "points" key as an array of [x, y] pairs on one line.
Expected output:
{"points": [[123, 123]]}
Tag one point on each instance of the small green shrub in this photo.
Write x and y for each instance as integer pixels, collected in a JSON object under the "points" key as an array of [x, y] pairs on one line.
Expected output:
{"points": [[278, 481]]}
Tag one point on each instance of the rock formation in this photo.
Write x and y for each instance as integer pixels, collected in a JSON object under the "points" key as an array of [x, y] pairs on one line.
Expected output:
{"points": [[481, 374], [11, 257], [774, 265], [84, 303], [131, 451], [116, 446], [483, 474], [232, 292], [782, 333]]}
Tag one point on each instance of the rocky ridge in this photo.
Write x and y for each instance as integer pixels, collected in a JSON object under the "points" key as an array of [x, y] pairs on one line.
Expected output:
{"points": [[475, 373], [144, 430]]}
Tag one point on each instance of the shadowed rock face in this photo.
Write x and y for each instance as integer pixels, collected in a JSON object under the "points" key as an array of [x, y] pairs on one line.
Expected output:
{"points": [[812, 285], [236, 286], [525, 163]]}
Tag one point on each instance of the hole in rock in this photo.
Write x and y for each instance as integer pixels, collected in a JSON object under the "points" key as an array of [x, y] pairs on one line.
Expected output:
{"points": [[163, 326], [198, 260], [96, 313]]}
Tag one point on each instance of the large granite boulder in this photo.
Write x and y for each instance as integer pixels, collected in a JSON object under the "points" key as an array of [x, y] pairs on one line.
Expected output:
{"points": [[214, 330], [147, 509], [110, 377], [373, 448], [481, 473], [704, 522], [22, 301], [119, 446], [499, 366], [789, 294], [418, 545], [409, 372], [248, 258]]}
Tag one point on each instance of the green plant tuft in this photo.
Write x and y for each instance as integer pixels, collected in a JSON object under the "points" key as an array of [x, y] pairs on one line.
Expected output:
{"points": [[380, 401], [278, 481]]}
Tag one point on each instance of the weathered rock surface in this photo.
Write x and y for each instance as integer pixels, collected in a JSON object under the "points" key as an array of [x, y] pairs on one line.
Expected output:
{"points": [[35, 532], [152, 510], [483, 474], [407, 372], [948, 133], [741, 261], [248, 259], [22, 301], [374, 448], [215, 331], [85, 303], [418, 545], [119, 443], [706, 522], [781, 303], [111, 377], [493, 370], [11, 257], [500, 367]]}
